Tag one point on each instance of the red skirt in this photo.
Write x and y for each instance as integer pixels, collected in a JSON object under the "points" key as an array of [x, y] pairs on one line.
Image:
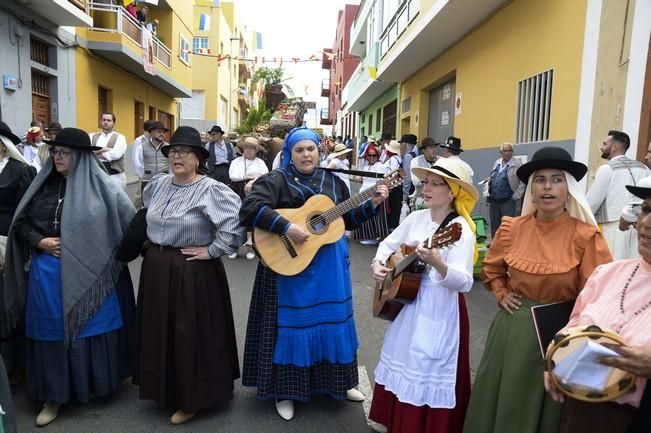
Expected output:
{"points": [[400, 417]]}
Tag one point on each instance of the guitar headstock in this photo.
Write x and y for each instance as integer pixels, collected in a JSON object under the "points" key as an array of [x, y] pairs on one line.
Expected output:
{"points": [[393, 178], [447, 236]]}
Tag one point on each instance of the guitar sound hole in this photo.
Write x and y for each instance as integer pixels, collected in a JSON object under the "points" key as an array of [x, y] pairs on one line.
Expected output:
{"points": [[318, 223]]}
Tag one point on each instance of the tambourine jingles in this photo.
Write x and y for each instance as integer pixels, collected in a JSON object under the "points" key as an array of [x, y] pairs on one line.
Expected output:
{"points": [[619, 382]]}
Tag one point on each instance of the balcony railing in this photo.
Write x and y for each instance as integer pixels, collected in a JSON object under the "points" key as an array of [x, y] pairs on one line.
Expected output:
{"points": [[325, 87], [115, 19]]}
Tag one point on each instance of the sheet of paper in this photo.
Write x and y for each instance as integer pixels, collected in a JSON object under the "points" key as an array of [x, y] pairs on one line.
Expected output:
{"points": [[581, 368]]}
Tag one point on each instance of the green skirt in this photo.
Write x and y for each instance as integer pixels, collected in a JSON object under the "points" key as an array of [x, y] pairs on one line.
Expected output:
{"points": [[508, 395]]}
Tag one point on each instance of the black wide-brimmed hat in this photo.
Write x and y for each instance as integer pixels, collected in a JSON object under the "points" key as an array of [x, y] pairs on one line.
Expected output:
{"points": [[218, 129], [186, 136], [552, 157], [642, 189], [73, 137], [156, 125], [409, 138], [6, 132], [453, 143]]}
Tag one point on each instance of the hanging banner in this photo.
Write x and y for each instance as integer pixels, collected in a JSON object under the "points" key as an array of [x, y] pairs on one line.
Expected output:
{"points": [[148, 52]]}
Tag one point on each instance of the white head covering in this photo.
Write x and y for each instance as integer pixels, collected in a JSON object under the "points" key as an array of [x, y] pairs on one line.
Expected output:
{"points": [[577, 205], [12, 152]]}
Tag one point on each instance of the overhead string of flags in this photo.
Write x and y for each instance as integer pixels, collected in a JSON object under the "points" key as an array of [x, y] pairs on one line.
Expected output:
{"points": [[205, 52]]}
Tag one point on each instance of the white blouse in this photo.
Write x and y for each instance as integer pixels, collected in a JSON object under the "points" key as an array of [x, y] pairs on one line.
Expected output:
{"points": [[418, 362], [241, 168]]}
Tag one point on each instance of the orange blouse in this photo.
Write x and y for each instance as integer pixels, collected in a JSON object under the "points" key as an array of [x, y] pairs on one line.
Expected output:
{"points": [[543, 260]]}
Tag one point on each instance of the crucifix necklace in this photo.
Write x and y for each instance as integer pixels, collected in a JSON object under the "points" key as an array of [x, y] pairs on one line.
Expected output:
{"points": [[60, 198]]}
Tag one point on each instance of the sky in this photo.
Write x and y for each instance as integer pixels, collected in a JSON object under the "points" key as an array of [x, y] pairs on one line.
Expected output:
{"points": [[295, 28]]}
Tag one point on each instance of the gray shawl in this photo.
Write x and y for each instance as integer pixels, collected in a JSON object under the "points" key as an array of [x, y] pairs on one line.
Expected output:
{"points": [[95, 215]]}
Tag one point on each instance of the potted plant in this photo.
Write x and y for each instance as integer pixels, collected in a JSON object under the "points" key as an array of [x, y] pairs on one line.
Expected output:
{"points": [[273, 81]]}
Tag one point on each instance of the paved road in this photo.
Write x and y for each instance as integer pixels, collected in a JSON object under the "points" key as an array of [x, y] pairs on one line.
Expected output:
{"points": [[124, 412]]}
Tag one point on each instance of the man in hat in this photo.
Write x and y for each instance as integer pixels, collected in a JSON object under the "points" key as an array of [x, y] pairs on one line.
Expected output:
{"points": [[408, 151], [607, 195], [428, 148], [452, 149], [113, 147], [221, 153], [148, 161], [504, 188]]}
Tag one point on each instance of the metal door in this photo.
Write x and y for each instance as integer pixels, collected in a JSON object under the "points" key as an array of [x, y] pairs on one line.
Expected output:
{"points": [[441, 112]]}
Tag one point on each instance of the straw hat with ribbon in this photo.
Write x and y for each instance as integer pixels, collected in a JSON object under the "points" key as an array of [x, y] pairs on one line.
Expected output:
{"points": [[393, 146], [458, 178], [340, 149], [249, 141]]}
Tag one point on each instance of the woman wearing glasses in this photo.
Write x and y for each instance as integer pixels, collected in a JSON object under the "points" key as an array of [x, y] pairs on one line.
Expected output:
{"points": [[187, 355], [373, 230], [77, 300]]}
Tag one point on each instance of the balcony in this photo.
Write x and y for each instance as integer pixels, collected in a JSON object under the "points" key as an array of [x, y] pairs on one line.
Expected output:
{"points": [[326, 60], [325, 88], [243, 97], [363, 87], [325, 117], [62, 12], [118, 37]]}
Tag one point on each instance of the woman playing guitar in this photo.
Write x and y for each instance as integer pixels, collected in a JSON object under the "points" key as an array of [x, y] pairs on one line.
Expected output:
{"points": [[422, 382], [301, 335]]}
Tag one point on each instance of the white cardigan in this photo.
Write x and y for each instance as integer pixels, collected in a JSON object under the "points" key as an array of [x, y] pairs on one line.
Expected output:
{"points": [[418, 362]]}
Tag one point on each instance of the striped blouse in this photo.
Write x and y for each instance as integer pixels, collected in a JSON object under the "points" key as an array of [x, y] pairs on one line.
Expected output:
{"points": [[201, 213]]}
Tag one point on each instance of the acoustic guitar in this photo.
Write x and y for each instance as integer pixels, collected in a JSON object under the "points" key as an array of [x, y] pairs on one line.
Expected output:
{"points": [[401, 284], [321, 218]]}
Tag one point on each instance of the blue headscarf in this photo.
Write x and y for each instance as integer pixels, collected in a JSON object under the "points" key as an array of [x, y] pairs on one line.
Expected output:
{"points": [[294, 136]]}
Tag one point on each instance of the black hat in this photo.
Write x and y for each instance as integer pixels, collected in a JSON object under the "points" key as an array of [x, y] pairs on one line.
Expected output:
{"points": [[642, 189], [186, 136], [54, 126], [409, 138], [552, 157], [428, 141], [218, 129], [73, 137], [453, 143], [156, 125], [6, 131]]}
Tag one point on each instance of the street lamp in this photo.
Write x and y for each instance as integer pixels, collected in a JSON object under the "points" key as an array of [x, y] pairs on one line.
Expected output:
{"points": [[230, 82]]}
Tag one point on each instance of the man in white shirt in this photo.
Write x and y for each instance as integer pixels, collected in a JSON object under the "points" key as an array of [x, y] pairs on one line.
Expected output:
{"points": [[505, 189], [452, 149], [114, 146], [608, 194]]}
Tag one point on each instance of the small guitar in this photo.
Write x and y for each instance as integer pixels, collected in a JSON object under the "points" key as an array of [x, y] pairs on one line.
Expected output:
{"points": [[321, 218], [401, 284]]}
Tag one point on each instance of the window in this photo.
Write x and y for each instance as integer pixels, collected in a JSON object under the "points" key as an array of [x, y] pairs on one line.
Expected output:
{"points": [[533, 108], [370, 123], [406, 105], [199, 44], [39, 51], [184, 50], [223, 110], [378, 119]]}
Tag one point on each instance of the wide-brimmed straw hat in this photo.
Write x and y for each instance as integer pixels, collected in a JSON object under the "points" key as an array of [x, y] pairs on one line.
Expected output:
{"points": [[642, 189], [452, 169], [249, 141], [340, 149], [552, 157], [186, 136], [73, 137], [393, 146], [5, 131]]}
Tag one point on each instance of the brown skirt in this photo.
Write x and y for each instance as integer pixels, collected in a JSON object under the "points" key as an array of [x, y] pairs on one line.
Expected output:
{"points": [[187, 353], [579, 417]]}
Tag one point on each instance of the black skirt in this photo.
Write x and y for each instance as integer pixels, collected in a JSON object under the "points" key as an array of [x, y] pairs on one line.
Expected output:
{"points": [[90, 367], [289, 382], [186, 349]]}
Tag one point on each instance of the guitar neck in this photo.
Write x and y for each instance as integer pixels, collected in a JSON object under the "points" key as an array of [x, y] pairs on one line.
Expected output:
{"points": [[407, 261], [351, 203]]}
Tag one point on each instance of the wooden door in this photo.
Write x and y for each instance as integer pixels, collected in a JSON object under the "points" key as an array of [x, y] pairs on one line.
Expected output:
{"points": [[41, 98], [168, 121], [138, 118], [389, 118]]}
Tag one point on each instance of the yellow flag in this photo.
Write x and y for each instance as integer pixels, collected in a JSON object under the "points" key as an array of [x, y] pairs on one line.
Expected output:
{"points": [[372, 72], [127, 2]]}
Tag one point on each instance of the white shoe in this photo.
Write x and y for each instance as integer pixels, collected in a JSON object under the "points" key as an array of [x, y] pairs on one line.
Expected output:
{"points": [[376, 426], [354, 395], [180, 417], [285, 409], [232, 256], [250, 255], [47, 414]]}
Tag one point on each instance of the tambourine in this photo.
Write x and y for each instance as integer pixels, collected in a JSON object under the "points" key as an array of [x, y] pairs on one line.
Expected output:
{"points": [[619, 382]]}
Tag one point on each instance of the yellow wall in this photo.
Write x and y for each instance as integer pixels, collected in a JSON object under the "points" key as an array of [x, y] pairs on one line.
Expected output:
{"points": [[522, 39], [125, 90]]}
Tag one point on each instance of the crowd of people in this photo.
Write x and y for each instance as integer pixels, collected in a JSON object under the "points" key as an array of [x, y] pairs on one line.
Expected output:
{"points": [[70, 320]]}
